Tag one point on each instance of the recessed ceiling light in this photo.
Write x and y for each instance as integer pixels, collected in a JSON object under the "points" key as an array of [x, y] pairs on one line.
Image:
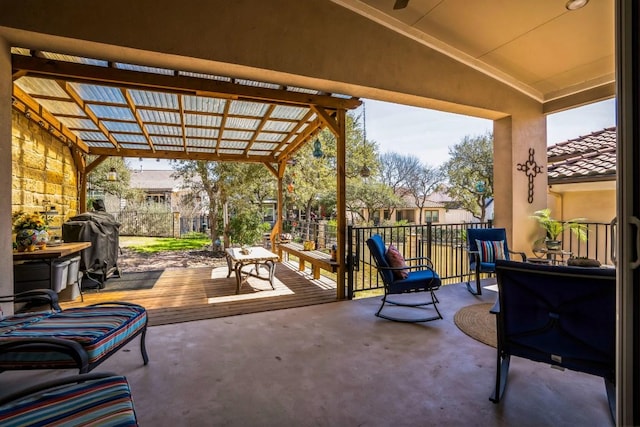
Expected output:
{"points": [[576, 4]]}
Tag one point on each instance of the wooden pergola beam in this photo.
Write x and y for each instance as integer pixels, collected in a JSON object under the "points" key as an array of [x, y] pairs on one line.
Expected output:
{"points": [[90, 114], [27, 105], [181, 155], [136, 115], [51, 69]]}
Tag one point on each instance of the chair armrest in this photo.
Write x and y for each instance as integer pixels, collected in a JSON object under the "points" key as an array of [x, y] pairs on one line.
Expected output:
{"points": [[36, 297], [409, 267], [522, 254], [496, 307], [474, 255], [422, 260], [55, 383], [45, 344]]}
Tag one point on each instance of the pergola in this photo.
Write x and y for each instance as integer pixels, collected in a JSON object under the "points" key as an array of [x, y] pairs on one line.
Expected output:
{"points": [[106, 109]]}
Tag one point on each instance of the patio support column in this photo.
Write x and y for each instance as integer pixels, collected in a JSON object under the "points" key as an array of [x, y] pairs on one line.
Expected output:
{"points": [[6, 251], [277, 229], [341, 204], [82, 190], [520, 188]]}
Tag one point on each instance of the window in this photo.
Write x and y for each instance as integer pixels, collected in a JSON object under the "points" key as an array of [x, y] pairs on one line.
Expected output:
{"points": [[431, 216]]}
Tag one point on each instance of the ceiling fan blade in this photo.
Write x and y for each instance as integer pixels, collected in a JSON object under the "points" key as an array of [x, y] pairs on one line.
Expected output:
{"points": [[400, 4]]}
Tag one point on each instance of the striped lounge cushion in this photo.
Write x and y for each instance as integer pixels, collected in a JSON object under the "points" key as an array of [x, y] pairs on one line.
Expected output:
{"points": [[98, 329], [105, 402]]}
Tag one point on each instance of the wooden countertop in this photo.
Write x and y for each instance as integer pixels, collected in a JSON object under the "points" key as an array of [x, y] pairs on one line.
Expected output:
{"points": [[57, 251]]}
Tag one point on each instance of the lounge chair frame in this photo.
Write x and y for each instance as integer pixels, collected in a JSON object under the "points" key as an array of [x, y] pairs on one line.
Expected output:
{"points": [[47, 343], [422, 278]]}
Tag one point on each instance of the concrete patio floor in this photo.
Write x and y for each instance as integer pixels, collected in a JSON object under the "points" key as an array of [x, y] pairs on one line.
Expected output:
{"points": [[337, 364]]}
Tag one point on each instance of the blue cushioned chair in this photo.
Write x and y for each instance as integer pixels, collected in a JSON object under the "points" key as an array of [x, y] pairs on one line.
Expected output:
{"points": [[478, 265], [561, 316], [422, 278]]}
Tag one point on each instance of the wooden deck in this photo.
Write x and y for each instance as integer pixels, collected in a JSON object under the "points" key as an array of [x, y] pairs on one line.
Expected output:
{"points": [[186, 294]]}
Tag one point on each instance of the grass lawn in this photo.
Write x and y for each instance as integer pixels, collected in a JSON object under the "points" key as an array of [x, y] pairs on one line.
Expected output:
{"points": [[160, 244]]}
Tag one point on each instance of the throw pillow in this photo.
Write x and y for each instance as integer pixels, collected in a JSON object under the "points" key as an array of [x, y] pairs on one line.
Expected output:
{"points": [[490, 250], [395, 259]]}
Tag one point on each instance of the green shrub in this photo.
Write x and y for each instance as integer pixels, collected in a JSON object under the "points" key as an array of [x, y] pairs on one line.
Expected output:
{"points": [[245, 227]]}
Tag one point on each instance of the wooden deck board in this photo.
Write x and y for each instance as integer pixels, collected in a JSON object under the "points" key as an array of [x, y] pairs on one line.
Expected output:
{"points": [[183, 294]]}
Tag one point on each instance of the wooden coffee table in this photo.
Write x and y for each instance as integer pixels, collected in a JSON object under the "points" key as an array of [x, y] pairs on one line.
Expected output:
{"points": [[257, 257]]}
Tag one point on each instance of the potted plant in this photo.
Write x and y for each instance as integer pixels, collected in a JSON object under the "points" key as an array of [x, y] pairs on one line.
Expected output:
{"points": [[30, 229], [554, 228]]}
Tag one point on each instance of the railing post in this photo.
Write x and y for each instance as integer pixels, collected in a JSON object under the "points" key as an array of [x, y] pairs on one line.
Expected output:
{"points": [[177, 229], [429, 238], [349, 261]]}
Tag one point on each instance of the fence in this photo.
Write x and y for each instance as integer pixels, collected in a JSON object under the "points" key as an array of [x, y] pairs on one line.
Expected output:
{"points": [[321, 232], [445, 245], [199, 223]]}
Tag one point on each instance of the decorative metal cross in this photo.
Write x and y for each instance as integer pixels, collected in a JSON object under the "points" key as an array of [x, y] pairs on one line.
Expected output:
{"points": [[531, 168]]}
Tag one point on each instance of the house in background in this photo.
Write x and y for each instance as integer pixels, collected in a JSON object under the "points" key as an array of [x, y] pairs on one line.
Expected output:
{"points": [[159, 187], [439, 208], [582, 177], [582, 184]]}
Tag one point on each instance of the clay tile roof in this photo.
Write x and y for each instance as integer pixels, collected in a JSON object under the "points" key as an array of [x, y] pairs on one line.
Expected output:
{"points": [[584, 159]]}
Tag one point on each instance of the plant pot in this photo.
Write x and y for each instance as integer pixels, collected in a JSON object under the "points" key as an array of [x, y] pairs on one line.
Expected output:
{"points": [[42, 239], [553, 245], [26, 240]]}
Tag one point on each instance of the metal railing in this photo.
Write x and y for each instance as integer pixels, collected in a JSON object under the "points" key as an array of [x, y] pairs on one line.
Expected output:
{"points": [[597, 246], [321, 232], [445, 245]]}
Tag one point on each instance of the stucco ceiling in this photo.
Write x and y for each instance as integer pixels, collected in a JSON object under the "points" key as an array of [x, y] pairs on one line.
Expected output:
{"points": [[538, 47]]}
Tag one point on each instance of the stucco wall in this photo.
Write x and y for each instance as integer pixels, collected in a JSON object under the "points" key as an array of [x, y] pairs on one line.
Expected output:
{"points": [[42, 169], [595, 206]]}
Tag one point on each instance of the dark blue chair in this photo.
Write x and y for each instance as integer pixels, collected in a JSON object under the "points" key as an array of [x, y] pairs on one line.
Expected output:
{"points": [[561, 316], [477, 265], [421, 278]]}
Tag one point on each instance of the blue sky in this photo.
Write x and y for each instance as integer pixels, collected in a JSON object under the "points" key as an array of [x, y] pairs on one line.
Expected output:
{"points": [[428, 134]]}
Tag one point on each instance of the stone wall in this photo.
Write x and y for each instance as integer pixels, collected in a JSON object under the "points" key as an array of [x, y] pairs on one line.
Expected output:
{"points": [[43, 172]]}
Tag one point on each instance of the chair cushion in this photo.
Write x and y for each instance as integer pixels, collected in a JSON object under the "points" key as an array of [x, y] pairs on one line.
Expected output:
{"points": [[416, 281], [98, 329], [105, 401], [491, 250], [395, 259]]}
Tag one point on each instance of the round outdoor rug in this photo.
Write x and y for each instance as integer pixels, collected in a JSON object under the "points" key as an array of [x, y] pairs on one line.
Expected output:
{"points": [[476, 321]]}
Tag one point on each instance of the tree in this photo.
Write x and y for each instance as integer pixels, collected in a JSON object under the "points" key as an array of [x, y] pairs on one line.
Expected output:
{"points": [[98, 179], [228, 186], [314, 179], [397, 171], [368, 197], [421, 183], [470, 173]]}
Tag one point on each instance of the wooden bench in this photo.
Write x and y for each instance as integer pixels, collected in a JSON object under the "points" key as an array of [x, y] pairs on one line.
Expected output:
{"points": [[317, 259]]}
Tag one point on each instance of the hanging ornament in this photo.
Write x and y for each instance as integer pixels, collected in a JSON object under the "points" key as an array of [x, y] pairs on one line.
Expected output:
{"points": [[317, 149]]}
